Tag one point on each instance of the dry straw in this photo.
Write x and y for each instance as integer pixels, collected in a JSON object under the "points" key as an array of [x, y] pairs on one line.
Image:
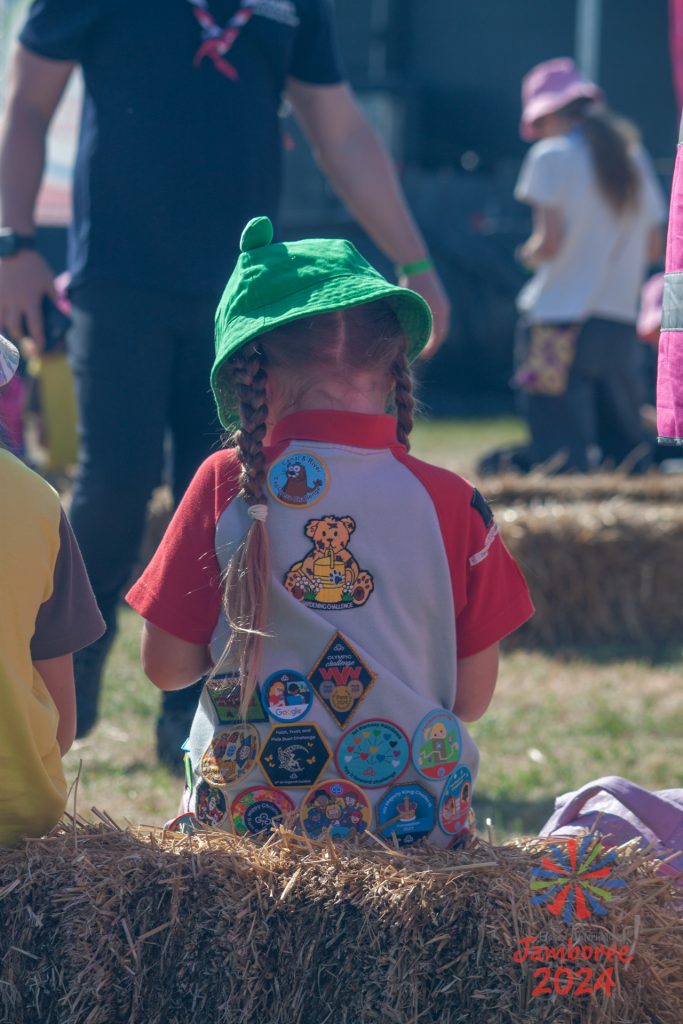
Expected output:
{"points": [[101, 926]]}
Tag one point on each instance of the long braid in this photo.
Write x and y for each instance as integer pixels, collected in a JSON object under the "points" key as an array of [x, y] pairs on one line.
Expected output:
{"points": [[248, 574], [403, 396]]}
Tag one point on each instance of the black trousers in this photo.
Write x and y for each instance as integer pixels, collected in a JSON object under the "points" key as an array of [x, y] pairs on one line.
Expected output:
{"points": [[601, 406], [141, 362]]}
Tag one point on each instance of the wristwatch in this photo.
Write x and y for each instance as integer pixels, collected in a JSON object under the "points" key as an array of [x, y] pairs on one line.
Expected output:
{"points": [[11, 242]]}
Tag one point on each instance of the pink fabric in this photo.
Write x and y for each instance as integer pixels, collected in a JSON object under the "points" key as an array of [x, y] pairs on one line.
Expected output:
{"points": [[549, 87], [676, 44], [670, 371], [650, 314]]}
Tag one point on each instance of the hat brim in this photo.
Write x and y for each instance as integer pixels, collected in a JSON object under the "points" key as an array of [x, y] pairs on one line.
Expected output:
{"points": [[342, 292], [551, 103]]}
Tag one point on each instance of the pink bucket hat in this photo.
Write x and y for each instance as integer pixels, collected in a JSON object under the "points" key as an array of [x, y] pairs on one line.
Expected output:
{"points": [[549, 87]]}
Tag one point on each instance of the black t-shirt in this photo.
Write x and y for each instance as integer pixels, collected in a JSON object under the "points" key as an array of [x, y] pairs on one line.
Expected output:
{"points": [[173, 159]]}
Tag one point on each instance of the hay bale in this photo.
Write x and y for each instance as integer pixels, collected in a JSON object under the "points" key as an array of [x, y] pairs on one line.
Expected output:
{"points": [[101, 926], [599, 572], [510, 489]]}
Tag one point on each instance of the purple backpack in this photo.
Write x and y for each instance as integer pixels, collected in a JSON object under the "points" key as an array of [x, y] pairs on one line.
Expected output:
{"points": [[620, 810]]}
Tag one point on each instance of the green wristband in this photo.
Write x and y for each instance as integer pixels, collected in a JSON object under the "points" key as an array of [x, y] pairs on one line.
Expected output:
{"points": [[418, 267]]}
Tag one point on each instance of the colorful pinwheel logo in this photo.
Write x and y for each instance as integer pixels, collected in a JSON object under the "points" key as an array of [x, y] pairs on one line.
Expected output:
{"points": [[575, 879]]}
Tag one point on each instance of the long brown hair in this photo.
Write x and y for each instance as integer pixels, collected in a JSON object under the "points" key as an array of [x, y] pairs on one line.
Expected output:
{"points": [[332, 346], [611, 141]]}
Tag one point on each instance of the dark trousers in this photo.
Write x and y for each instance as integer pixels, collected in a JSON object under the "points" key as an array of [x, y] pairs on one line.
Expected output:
{"points": [[141, 363], [601, 406]]}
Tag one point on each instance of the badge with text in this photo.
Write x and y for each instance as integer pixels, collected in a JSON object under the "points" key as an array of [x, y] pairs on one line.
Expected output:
{"points": [[337, 806], [187, 823], [328, 577], [340, 679], [287, 695], [225, 693], [455, 802], [298, 480], [210, 804], [259, 808], [231, 755], [407, 812], [373, 753], [294, 755], [437, 744]]}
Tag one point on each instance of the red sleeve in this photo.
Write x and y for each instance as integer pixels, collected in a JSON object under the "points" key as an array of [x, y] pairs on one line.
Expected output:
{"points": [[179, 591], [490, 594]]}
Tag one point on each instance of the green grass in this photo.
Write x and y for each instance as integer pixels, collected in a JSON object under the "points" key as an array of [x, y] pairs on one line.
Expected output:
{"points": [[557, 720]]}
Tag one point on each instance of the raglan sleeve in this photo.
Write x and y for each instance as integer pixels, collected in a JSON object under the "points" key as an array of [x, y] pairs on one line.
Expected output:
{"points": [[59, 29], [316, 59], [495, 599], [180, 589]]}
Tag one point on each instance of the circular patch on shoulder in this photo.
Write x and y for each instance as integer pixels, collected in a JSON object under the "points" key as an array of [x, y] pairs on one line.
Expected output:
{"points": [[259, 808], [287, 695], [298, 480], [437, 744], [336, 806], [373, 753], [455, 802], [231, 755]]}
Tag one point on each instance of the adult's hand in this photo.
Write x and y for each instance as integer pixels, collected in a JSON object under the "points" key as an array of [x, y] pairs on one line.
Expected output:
{"points": [[429, 286], [25, 279]]}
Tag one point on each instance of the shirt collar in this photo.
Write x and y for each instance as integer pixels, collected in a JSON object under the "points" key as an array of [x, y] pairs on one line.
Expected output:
{"points": [[356, 429]]}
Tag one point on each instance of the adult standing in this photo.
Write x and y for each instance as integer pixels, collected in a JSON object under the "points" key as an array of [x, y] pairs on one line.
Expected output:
{"points": [[179, 146], [597, 216]]}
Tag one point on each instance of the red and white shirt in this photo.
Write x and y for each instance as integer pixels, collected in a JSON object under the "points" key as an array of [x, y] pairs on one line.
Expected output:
{"points": [[384, 571]]}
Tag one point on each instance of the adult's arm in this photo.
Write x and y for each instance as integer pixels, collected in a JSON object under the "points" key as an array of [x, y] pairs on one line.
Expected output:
{"points": [[361, 171], [58, 676], [545, 240], [35, 87]]}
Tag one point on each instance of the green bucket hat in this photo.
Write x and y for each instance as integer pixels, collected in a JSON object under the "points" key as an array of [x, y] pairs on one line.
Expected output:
{"points": [[273, 284]]}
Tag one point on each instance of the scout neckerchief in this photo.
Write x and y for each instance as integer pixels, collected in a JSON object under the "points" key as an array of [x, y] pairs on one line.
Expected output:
{"points": [[216, 41]]}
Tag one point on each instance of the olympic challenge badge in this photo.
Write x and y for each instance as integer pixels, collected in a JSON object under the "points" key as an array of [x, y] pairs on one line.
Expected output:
{"points": [[338, 806], [287, 695], [407, 812], [341, 679], [298, 480], [373, 753], [455, 802], [231, 755], [259, 808], [437, 744]]}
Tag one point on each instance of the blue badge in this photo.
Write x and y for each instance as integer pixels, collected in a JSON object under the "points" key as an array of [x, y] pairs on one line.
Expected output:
{"points": [[294, 755], [335, 806], [298, 480], [437, 744], [373, 753], [455, 802], [407, 812], [287, 695], [340, 679], [225, 694], [210, 804]]}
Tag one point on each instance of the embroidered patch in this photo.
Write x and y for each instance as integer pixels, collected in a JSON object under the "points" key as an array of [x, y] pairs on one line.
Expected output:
{"points": [[373, 753], [482, 506], [210, 804], [437, 744], [186, 823], [259, 808], [287, 695], [225, 694], [479, 556], [294, 755], [454, 805], [329, 577], [341, 679], [231, 755], [336, 805], [407, 812], [298, 480]]}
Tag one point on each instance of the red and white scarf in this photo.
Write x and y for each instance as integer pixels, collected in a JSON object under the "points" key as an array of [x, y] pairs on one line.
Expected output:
{"points": [[217, 41]]}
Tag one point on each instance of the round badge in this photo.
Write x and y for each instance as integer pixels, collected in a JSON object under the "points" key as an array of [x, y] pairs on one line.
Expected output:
{"points": [[338, 806], [298, 480], [437, 744], [231, 755], [373, 753], [341, 699], [186, 823], [454, 804], [407, 812], [259, 808], [210, 804], [287, 695]]}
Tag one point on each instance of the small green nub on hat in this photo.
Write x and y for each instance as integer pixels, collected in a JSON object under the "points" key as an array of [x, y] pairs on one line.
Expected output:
{"points": [[258, 232]]}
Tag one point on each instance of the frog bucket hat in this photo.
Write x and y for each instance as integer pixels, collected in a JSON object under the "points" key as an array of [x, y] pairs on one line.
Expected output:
{"points": [[276, 283]]}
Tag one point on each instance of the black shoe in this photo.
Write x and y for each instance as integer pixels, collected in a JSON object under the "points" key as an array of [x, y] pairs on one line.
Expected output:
{"points": [[88, 670]]}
